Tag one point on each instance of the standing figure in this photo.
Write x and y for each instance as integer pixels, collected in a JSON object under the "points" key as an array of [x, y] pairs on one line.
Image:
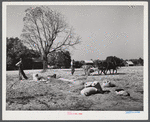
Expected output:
{"points": [[21, 72], [72, 67]]}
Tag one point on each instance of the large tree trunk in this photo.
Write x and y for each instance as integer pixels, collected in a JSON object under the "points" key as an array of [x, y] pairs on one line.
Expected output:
{"points": [[45, 63]]}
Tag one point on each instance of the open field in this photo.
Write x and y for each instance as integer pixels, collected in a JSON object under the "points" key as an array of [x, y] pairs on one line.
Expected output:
{"points": [[64, 95]]}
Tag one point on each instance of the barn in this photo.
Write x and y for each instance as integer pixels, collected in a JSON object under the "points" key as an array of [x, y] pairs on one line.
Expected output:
{"points": [[129, 63], [88, 62], [37, 63]]}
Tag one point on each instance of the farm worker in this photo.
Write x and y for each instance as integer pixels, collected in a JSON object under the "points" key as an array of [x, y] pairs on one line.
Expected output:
{"points": [[72, 67], [21, 72]]}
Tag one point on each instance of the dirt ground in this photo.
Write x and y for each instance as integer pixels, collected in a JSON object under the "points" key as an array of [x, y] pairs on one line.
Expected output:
{"points": [[64, 95]]}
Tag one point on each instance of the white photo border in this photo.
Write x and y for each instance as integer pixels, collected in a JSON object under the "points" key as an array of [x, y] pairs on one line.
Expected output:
{"points": [[86, 115]]}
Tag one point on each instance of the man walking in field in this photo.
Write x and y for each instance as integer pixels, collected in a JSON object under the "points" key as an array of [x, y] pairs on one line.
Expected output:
{"points": [[72, 67], [21, 72]]}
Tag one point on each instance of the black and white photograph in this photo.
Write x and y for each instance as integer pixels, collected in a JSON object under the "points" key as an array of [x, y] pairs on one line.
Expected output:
{"points": [[75, 61]]}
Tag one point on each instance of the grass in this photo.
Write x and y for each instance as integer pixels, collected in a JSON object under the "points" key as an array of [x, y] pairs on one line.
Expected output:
{"points": [[63, 95]]}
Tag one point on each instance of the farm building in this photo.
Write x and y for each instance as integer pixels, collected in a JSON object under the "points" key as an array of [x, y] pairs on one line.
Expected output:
{"points": [[88, 62], [37, 63], [129, 63]]}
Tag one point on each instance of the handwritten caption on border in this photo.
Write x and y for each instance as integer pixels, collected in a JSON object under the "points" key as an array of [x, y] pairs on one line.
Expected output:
{"points": [[129, 112], [72, 113]]}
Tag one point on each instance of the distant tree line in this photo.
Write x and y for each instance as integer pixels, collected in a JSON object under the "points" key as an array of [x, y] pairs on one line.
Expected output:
{"points": [[57, 59], [137, 62], [119, 61]]}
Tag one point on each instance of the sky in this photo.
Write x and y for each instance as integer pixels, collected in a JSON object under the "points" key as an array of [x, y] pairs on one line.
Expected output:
{"points": [[104, 30]]}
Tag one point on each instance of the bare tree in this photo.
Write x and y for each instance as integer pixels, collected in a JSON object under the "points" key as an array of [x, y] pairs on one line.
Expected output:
{"points": [[46, 31]]}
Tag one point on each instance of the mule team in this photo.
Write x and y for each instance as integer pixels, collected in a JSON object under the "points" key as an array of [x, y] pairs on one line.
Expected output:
{"points": [[102, 67]]}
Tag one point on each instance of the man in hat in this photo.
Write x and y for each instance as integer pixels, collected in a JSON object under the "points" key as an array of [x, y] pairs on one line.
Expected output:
{"points": [[72, 67], [21, 72]]}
